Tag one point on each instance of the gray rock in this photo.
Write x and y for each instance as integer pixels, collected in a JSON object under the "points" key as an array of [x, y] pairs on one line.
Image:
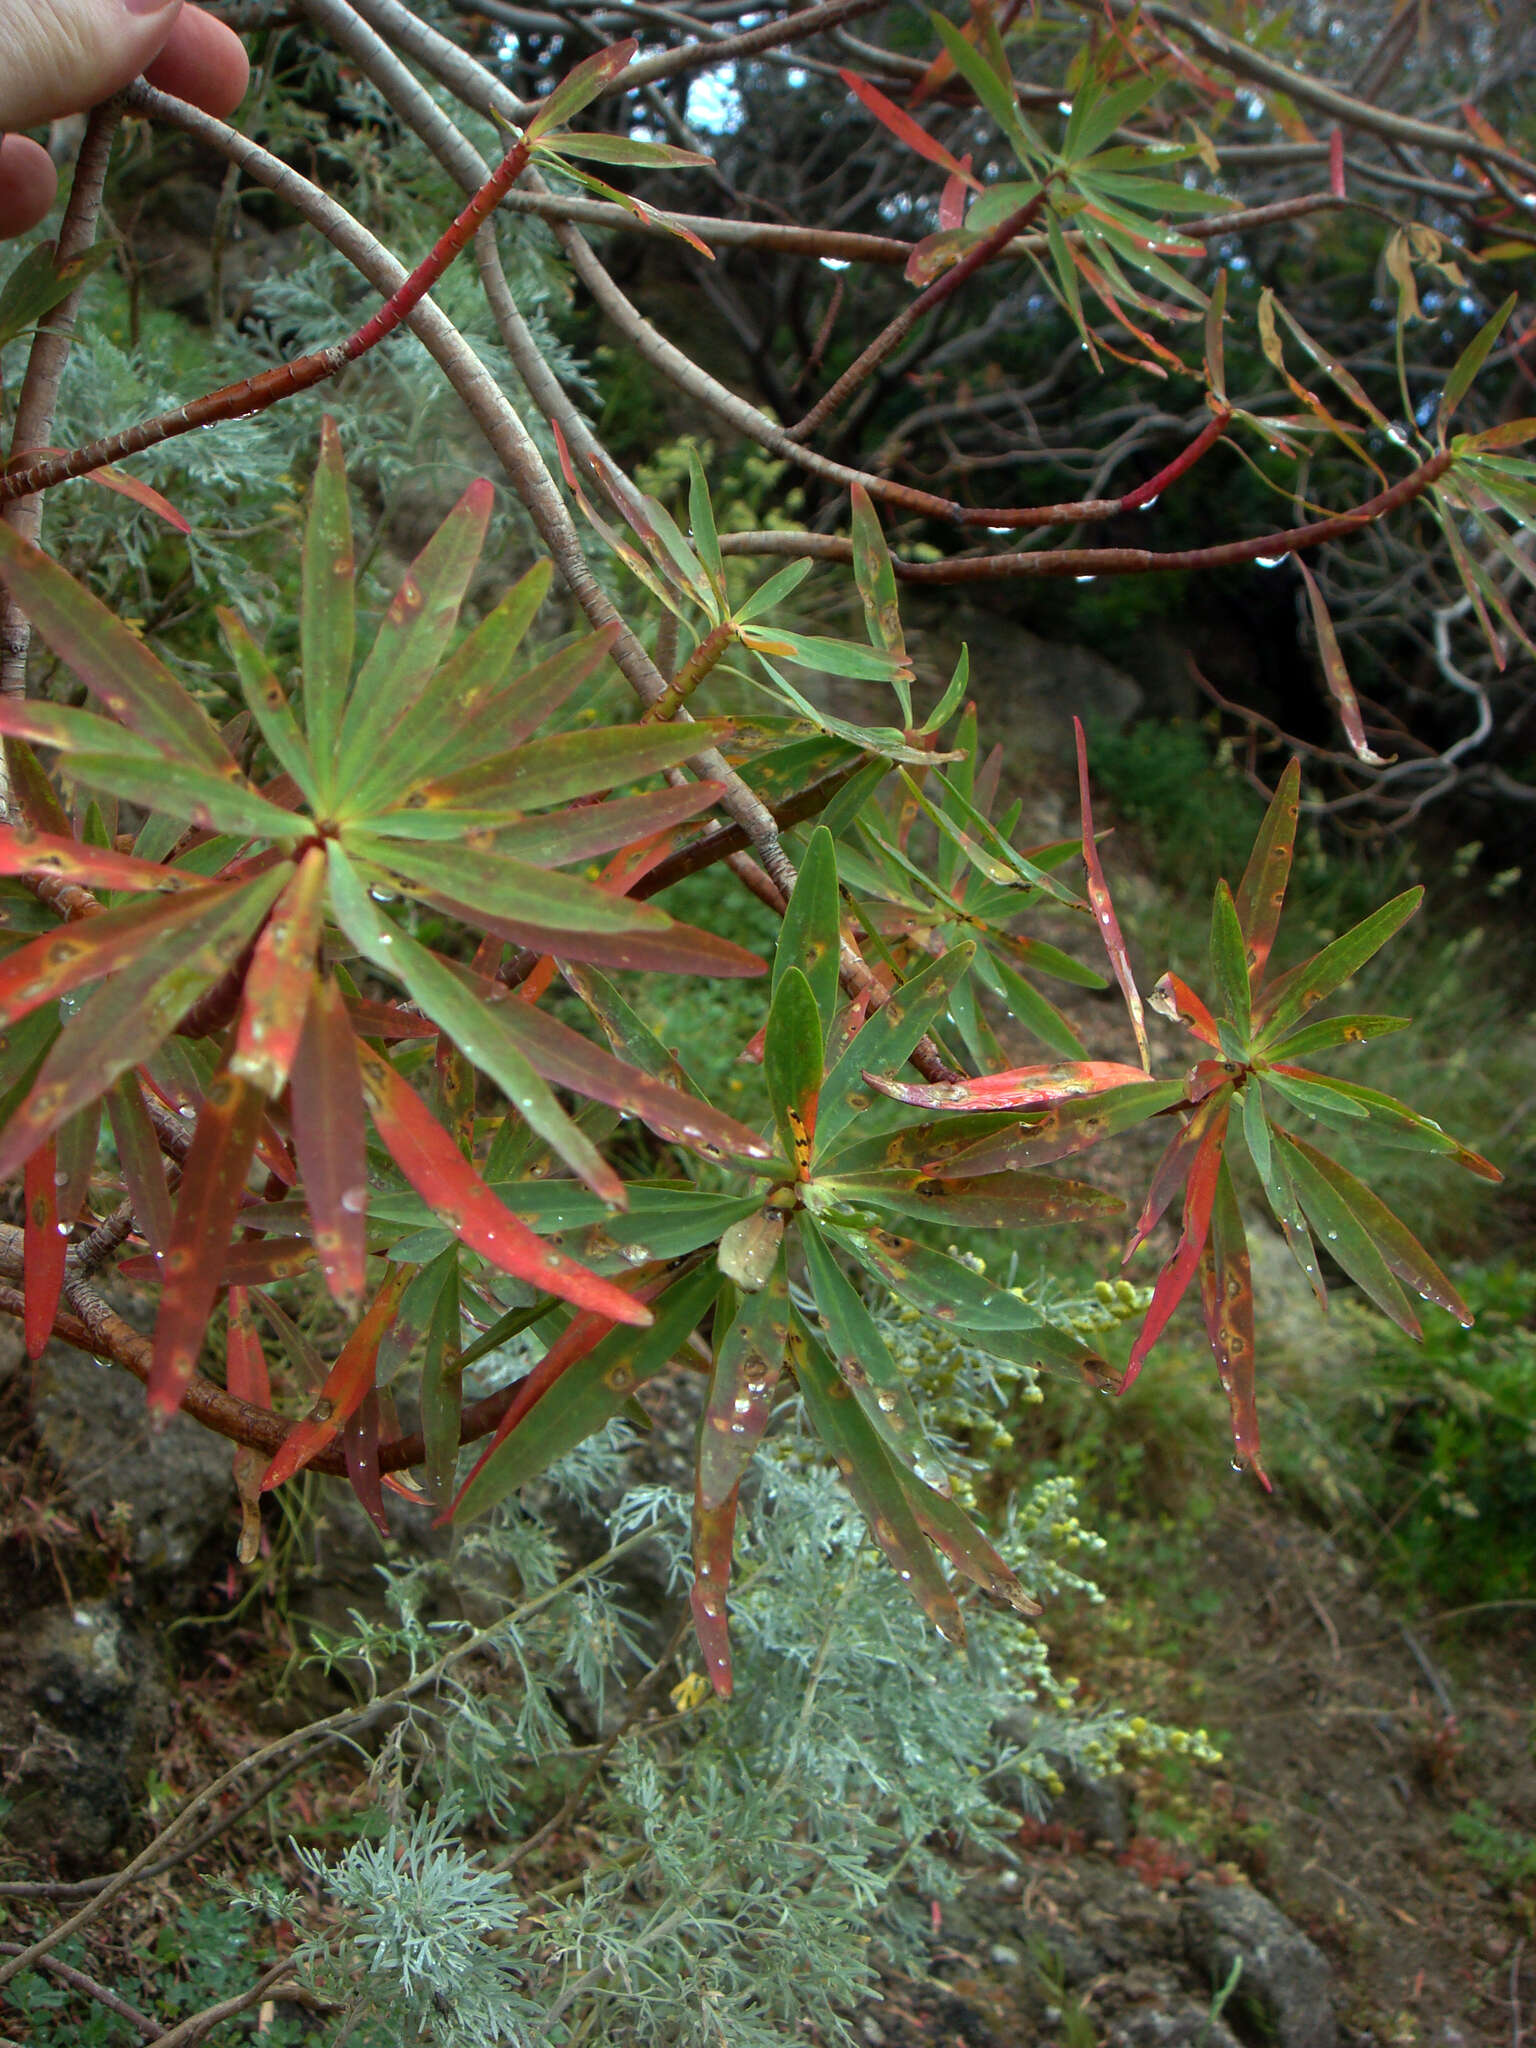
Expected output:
{"points": [[1026, 689], [81, 1710], [1283, 1994], [172, 1487], [1173, 2026]]}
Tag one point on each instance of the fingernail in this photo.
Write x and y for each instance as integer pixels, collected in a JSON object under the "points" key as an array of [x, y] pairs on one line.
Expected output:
{"points": [[146, 6]]}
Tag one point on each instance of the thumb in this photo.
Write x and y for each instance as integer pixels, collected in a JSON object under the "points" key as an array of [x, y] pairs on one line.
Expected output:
{"points": [[57, 56]]}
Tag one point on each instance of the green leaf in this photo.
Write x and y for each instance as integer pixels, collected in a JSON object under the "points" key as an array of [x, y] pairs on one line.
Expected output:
{"points": [[875, 575], [792, 1056], [112, 662], [1065, 1128], [1309, 1039], [579, 87], [268, 705], [1261, 894], [966, 1305], [1285, 1001], [327, 608], [701, 518], [809, 935], [1471, 360], [994, 1201], [886, 1040], [571, 764], [1031, 1009], [492, 886], [779, 586], [38, 284], [190, 793], [623, 149], [413, 634], [1328, 1197], [871, 1474], [995, 93], [1229, 962], [70, 730], [1256, 1127], [817, 651], [66, 957], [1392, 1122], [589, 1394], [1401, 1251], [121, 1024], [863, 1358], [479, 1031], [1096, 114], [442, 1383]]}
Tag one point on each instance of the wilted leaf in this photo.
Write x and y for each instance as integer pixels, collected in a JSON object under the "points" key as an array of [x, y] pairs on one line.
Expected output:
{"points": [[1226, 1294], [326, 1097], [346, 1384]]}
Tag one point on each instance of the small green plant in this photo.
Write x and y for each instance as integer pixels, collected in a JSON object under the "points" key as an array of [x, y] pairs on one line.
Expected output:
{"points": [[1501, 1852]]}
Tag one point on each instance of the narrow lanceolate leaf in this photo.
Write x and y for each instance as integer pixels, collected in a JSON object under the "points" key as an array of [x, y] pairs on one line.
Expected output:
{"points": [[1471, 360], [122, 1024], [1016, 1088], [211, 802], [246, 1377], [1229, 962], [886, 1040], [476, 705], [45, 1241], [950, 1530], [138, 1154], [992, 1201], [578, 834], [113, 663], [1208, 1128], [792, 1066], [280, 979], [1261, 893], [589, 1394], [1329, 1193], [1104, 909], [748, 1361], [570, 1061], [864, 1359], [413, 634], [871, 1473], [808, 937], [1392, 1122], [442, 1384], [70, 731], [1310, 1039], [971, 1308], [212, 1183], [714, 1532], [445, 1180], [347, 1382], [499, 888], [327, 615], [1226, 1296], [43, 853], [360, 1447], [875, 574], [480, 1032], [1336, 671], [70, 955], [569, 765], [330, 1138], [268, 704], [579, 87], [1287, 1000], [1064, 1129]]}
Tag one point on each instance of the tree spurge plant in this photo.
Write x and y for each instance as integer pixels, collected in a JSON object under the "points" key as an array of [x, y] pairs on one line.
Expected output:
{"points": [[381, 899]]}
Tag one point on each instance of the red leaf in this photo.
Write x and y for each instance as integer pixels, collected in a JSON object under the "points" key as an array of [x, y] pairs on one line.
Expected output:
{"points": [[1226, 1296], [440, 1174], [360, 1442], [1210, 1121], [1104, 909], [245, 1362], [1340, 688], [1177, 1000], [714, 1530], [1015, 1088], [326, 1100], [347, 1382], [142, 494], [211, 1186], [43, 853], [906, 130], [45, 1242], [279, 980], [1261, 893]]}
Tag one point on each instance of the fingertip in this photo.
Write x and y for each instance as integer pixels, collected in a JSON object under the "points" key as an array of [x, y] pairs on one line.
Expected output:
{"points": [[203, 62], [28, 184]]}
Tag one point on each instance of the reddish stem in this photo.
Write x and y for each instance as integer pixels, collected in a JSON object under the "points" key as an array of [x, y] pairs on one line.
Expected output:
{"points": [[256, 394], [1106, 508]]}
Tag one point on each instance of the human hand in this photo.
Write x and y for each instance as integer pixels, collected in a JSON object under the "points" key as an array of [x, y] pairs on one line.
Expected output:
{"points": [[62, 56]]}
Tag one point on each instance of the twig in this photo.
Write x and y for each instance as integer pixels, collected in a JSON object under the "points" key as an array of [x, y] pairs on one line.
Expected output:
{"points": [[77, 1980]]}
